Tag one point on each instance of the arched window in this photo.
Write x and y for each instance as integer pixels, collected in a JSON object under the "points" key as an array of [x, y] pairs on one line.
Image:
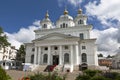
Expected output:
{"points": [[32, 58], [80, 21], [45, 57], [61, 26], [84, 57], [45, 26], [66, 58], [64, 25]]}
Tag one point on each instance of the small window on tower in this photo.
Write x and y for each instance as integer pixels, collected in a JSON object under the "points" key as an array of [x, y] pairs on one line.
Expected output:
{"points": [[80, 21], [61, 26], [45, 26], [64, 25]]}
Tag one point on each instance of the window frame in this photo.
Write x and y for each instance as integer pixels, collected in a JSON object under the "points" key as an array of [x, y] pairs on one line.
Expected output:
{"points": [[66, 58], [84, 57], [45, 58], [81, 36]]}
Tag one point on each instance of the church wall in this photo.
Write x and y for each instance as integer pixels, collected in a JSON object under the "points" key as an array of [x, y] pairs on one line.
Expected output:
{"points": [[90, 50], [29, 51]]}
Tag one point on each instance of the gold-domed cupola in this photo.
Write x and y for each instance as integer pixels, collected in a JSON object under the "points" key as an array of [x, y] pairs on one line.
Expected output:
{"points": [[46, 22], [79, 11], [65, 20], [65, 12], [80, 19]]}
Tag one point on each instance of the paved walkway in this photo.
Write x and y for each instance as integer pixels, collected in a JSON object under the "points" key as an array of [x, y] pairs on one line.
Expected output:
{"points": [[17, 75]]}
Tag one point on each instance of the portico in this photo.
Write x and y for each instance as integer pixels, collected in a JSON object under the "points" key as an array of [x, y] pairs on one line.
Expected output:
{"points": [[55, 54]]}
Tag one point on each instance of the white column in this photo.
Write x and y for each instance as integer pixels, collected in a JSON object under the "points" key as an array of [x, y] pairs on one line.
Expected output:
{"points": [[49, 55], [60, 55], [77, 54], [35, 55], [71, 54], [39, 55]]}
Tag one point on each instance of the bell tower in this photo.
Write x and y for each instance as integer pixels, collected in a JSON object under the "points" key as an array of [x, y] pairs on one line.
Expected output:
{"points": [[46, 22]]}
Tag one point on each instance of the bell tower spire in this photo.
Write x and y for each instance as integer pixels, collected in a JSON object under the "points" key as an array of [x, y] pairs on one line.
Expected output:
{"points": [[65, 11], [47, 15]]}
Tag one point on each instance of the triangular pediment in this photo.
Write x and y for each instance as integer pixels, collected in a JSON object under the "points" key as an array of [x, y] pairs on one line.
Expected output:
{"points": [[53, 36]]}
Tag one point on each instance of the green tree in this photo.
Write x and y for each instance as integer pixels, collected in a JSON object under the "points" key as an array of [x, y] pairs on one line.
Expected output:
{"points": [[21, 54], [109, 56], [100, 55], [3, 40]]}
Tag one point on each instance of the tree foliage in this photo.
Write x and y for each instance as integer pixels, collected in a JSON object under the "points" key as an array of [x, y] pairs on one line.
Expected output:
{"points": [[21, 54], [109, 56], [100, 55], [3, 38]]}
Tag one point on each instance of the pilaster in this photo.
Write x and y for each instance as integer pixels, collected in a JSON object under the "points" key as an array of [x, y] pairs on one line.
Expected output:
{"points": [[71, 54], [60, 55], [39, 55], [35, 56], [49, 55]]}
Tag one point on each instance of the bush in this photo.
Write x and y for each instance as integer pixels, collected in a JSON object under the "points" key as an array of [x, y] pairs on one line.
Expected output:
{"points": [[118, 77], [83, 77], [99, 78], [3, 75], [92, 73], [111, 75], [39, 76]]}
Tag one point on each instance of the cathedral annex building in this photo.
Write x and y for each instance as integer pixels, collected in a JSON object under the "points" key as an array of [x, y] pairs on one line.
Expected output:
{"points": [[67, 46]]}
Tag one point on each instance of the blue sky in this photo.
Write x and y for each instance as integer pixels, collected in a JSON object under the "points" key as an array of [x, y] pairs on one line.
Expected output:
{"points": [[19, 18], [15, 14]]}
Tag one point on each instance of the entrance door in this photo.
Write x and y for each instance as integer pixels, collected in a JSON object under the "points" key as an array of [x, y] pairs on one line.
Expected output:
{"points": [[55, 59]]}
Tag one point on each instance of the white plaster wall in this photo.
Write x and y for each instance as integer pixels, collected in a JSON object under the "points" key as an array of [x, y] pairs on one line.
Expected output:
{"points": [[29, 52], [90, 51]]}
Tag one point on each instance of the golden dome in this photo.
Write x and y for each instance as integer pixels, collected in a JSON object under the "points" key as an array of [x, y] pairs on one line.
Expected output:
{"points": [[80, 11], [65, 12]]}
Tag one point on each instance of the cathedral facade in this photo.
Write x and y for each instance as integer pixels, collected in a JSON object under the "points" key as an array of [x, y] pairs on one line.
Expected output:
{"points": [[67, 45]]}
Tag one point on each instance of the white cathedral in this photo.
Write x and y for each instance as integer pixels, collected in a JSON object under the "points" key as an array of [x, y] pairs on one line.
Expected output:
{"points": [[67, 45]]}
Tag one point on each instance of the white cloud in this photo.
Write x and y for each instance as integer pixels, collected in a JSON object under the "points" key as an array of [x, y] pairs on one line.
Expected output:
{"points": [[107, 40], [24, 35], [72, 2], [106, 11]]}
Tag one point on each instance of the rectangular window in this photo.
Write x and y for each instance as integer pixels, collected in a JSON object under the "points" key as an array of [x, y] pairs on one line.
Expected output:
{"points": [[66, 47], [81, 36], [83, 47]]}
